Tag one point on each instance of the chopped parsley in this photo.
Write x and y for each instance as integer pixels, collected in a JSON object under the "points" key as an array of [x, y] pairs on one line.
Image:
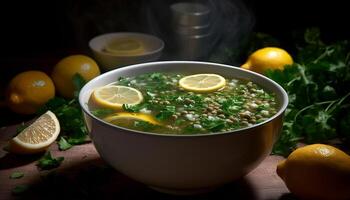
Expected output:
{"points": [[47, 162], [16, 175]]}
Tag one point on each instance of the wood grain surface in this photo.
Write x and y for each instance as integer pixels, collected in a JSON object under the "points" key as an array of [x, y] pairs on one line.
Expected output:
{"points": [[83, 175]]}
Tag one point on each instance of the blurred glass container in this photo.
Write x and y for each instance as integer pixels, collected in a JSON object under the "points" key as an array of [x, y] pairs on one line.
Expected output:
{"points": [[192, 30], [191, 26], [190, 14], [193, 47]]}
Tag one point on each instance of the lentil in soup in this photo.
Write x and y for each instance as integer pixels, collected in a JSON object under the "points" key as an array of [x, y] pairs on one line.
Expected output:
{"points": [[168, 108]]}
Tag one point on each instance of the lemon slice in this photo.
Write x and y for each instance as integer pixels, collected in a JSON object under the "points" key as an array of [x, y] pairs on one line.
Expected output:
{"points": [[38, 136], [127, 119], [125, 46], [202, 82], [114, 96]]}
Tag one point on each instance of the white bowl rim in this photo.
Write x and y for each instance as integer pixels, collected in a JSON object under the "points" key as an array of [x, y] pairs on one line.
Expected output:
{"points": [[157, 50], [236, 131]]}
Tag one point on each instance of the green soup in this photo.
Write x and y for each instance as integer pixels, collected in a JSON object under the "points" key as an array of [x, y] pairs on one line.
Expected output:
{"points": [[241, 103]]}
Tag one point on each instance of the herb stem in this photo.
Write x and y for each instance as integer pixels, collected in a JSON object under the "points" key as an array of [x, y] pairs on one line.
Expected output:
{"points": [[327, 52], [292, 81], [301, 69], [339, 102], [310, 106]]}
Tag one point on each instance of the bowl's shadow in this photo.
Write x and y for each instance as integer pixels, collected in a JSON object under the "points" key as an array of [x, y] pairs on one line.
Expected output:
{"points": [[93, 179], [10, 160]]}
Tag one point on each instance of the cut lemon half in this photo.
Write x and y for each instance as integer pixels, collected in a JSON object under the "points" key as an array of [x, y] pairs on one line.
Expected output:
{"points": [[127, 119], [38, 136], [202, 82], [114, 96]]}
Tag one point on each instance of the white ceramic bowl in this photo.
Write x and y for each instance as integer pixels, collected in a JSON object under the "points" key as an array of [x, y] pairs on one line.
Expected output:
{"points": [[183, 164], [152, 46]]}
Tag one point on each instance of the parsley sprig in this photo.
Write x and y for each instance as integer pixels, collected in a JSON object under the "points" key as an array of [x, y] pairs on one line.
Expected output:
{"points": [[317, 86], [69, 115]]}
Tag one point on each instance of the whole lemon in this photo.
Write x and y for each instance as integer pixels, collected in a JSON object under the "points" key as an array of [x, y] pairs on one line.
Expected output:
{"points": [[28, 91], [268, 58], [66, 68], [317, 171]]}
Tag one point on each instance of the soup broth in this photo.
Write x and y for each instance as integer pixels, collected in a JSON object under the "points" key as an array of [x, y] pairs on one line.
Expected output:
{"points": [[168, 108]]}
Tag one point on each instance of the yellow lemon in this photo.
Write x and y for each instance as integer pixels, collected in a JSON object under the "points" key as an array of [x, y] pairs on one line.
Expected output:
{"points": [[38, 136], [268, 58], [125, 47], [317, 171], [28, 91], [202, 82], [127, 119], [65, 69], [114, 96]]}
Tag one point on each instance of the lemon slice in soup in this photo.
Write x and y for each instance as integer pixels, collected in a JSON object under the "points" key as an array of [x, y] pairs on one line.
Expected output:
{"points": [[202, 82], [127, 119], [114, 96]]}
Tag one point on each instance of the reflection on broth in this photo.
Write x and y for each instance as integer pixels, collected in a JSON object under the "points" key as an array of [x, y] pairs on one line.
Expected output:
{"points": [[167, 105]]}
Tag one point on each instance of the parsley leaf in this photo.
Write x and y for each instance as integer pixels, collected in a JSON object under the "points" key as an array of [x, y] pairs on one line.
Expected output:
{"points": [[213, 124], [102, 112], [166, 112], [63, 144], [16, 175], [19, 189], [144, 126], [134, 108], [78, 82], [47, 162]]}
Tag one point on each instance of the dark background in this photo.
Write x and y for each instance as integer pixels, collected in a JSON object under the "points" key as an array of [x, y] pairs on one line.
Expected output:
{"points": [[36, 34]]}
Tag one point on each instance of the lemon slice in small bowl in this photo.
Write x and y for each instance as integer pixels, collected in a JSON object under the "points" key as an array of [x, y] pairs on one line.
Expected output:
{"points": [[38, 136], [125, 47], [202, 82], [114, 96]]}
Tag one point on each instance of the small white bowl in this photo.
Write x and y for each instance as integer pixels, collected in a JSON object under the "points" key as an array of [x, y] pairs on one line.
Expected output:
{"points": [[152, 50]]}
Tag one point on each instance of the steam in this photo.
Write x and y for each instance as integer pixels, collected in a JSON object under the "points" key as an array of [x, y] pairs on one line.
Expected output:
{"points": [[230, 22]]}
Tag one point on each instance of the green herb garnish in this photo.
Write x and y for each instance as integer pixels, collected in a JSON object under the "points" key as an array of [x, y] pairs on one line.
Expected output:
{"points": [[19, 189], [318, 88], [16, 175], [63, 144], [166, 112], [47, 162], [69, 114], [78, 82], [102, 112]]}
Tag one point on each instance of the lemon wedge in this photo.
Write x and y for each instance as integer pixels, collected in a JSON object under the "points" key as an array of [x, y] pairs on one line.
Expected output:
{"points": [[127, 119], [38, 136], [114, 96], [202, 82], [125, 46]]}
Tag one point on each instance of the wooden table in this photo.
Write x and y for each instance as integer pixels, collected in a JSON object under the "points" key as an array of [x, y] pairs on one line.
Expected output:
{"points": [[83, 175]]}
